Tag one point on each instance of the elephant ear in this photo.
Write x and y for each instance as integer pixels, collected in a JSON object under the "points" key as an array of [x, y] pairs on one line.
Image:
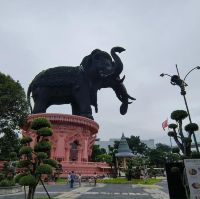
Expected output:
{"points": [[87, 61]]}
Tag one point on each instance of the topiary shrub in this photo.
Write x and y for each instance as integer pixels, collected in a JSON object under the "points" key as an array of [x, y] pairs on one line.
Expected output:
{"points": [[43, 146], [18, 177], [27, 180], [40, 122], [44, 169], [192, 127], [187, 140], [45, 131], [179, 115], [175, 150], [172, 126], [41, 155], [171, 133], [51, 162], [175, 170], [12, 155], [7, 183], [23, 163], [25, 150], [26, 140], [195, 154]]}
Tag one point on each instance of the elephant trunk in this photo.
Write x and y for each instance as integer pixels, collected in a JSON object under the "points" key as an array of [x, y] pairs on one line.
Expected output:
{"points": [[123, 96], [118, 65]]}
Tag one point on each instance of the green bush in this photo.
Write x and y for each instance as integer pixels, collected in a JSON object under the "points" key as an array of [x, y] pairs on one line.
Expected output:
{"points": [[175, 170], [195, 154], [41, 155], [26, 140], [179, 115], [171, 133], [27, 180], [18, 177], [191, 127], [14, 164], [43, 146], [12, 155], [187, 140], [182, 157], [25, 150], [44, 169], [51, 162], [175, 150], [40, 122], [23, 163], [7, 183], [2, 177], [15, 159], [7, 159], [172, 126], [45, 131]]}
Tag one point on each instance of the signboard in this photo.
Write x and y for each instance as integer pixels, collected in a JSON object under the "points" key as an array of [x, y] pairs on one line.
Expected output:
{"points": [[192, 167]]}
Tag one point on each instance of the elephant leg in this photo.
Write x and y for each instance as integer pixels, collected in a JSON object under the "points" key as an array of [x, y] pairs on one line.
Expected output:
{"points": [[82, 98], [75, 108], [40, 101]]}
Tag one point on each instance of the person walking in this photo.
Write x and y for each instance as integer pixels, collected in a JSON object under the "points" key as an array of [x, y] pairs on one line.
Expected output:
{"points": [[79, 180], [69, 179], [72, 179], [90, 180], [95, 179]]}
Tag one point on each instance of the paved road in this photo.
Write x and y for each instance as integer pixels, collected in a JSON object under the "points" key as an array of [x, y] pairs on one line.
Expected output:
{"points": [[60, 191]]}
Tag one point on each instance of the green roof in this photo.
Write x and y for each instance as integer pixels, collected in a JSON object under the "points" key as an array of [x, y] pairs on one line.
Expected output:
{"points": [[123, 150]]}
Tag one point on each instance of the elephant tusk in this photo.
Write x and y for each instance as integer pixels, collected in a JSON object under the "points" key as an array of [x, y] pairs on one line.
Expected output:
{"points": [[130, 97], [120, 80]]}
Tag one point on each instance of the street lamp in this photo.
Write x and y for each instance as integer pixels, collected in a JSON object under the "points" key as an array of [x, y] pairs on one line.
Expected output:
{"points": [[176, 80]]}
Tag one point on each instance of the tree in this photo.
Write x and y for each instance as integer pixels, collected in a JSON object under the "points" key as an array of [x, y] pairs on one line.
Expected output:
{"points": [[13, 104], [104, 158], [96, 151], [182, 141], [36, 160], [136, 146], [9, 142]]}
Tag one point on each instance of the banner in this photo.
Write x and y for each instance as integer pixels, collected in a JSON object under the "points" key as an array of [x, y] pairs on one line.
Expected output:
{"points": [[192, 167]]}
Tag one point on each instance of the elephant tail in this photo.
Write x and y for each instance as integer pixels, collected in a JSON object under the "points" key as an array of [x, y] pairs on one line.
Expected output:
{"points": [[28, 97]]}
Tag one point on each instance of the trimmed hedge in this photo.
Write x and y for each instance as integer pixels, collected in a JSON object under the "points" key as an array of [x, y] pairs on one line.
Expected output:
{"points": [[40, 122], [45, 131], [187, 140], [175, 150], [23, 163], [192, 127], [179, 115], [195, 154], [43, 146], [18, 177], [51, 162], [25, 150], [172, 126], [27, 180], [44, 169], [41, 155], [171, 133], [182, 157], [7, 183], [26, 140], [175, 170]]}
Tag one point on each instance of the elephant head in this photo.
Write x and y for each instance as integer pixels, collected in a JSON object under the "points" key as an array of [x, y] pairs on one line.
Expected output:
{"points": [[104, 73]]}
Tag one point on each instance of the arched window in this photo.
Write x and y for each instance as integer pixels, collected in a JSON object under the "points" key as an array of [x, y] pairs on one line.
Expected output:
{"points": [[73, 151]]}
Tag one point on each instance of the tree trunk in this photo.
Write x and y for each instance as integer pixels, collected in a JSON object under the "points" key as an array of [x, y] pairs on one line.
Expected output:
{"points": [[31, 192]]}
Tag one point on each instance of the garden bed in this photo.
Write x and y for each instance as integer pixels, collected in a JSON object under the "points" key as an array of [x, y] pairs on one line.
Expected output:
{"points": [[10, 190]]}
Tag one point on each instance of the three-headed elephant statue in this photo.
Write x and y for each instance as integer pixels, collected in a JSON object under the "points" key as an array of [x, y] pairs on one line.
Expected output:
{"points": [[78, 85]]}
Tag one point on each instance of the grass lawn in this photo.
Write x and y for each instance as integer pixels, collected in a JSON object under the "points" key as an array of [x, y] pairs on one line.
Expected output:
{"points": [[60, 180], [134, 181]]}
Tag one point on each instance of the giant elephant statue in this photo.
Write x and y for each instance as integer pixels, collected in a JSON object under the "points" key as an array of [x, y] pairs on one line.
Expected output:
{"points": [[78, 86]]}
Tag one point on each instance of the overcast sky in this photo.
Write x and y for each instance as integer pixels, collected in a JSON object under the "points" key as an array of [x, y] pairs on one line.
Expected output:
{"points": [[157, 34]]}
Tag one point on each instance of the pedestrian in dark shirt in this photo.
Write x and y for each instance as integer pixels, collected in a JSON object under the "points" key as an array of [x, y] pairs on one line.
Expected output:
{"points": [[72, 179]]}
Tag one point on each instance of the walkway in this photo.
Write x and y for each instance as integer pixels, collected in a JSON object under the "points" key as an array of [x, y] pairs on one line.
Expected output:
{"points": [[61, 191]]}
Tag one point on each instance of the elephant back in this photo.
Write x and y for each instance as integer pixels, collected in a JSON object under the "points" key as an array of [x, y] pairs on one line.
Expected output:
{"points": [[58, 76]]}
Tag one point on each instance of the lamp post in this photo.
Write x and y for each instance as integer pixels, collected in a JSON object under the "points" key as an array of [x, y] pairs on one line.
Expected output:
{"points": [[176, 80]]}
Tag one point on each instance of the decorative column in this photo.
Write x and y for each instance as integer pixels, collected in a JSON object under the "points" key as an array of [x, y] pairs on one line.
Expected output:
{"points": [[79, 153], [124, 162], [85, 153], [67, 154]]}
